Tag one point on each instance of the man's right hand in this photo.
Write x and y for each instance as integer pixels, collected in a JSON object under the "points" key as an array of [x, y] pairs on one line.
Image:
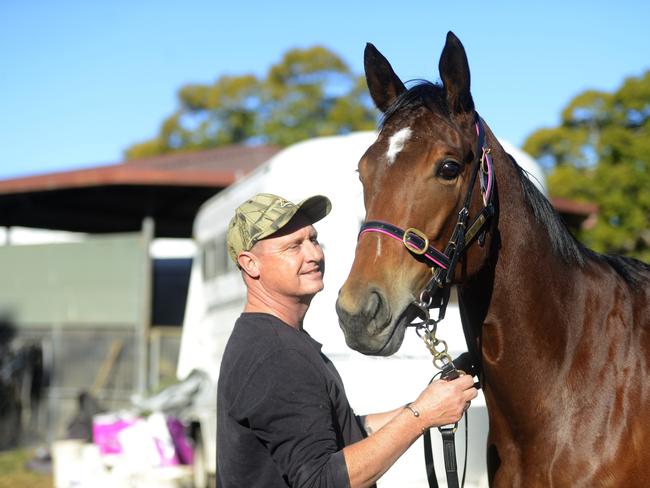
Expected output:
{"points": [[444, 402]]}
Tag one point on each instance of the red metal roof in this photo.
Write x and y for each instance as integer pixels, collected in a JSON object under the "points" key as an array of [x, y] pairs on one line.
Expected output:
{"points": [[117, 197], [213, 168]]}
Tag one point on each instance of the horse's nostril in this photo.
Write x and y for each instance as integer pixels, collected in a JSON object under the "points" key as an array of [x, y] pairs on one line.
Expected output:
{"points": [[368, 318], [374, 313], [374, 305]]}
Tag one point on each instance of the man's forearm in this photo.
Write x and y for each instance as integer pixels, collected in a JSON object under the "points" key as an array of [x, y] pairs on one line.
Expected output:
{"points": [[375, 421], [369, 459]]}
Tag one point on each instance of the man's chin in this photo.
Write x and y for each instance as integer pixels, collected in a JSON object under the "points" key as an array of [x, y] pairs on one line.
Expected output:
{"points": [[314, 282], [311, 289]]}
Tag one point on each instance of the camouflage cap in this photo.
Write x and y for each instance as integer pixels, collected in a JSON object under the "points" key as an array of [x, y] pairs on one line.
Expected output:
{"points": [[265, 214]]}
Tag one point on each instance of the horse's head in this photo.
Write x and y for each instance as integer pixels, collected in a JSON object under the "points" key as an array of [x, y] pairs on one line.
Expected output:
{"points": [[415, 176]]}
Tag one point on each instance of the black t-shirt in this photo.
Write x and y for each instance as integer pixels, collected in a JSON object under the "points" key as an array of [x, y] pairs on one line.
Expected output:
{"points": [[282, 414]]}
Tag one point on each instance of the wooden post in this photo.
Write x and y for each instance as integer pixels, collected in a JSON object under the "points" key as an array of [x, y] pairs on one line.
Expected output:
{"points": [[142, 331]]}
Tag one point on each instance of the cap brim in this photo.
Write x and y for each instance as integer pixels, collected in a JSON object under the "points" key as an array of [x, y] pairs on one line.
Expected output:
{"points": [[315, 208]]}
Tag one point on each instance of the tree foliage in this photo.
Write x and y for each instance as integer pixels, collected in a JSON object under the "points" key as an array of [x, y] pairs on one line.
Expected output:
{"points": [[310, 92], [600, 153]]}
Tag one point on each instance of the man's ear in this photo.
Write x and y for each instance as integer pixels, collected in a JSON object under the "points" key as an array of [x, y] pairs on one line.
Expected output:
{"points": [[249, 264]]}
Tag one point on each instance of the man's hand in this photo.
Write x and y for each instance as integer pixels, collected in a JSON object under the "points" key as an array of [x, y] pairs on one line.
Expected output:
{"points": [[444, 402]]}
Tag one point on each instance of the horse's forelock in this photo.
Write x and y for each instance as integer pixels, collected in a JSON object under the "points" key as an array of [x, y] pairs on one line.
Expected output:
{"points": [[421, 94]]}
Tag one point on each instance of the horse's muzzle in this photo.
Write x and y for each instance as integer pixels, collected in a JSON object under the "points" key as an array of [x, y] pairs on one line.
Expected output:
{"points": [[368, 326]]}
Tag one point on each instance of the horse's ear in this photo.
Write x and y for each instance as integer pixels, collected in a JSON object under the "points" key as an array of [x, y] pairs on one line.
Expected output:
{"points": [[454, 72], [384, 85]]}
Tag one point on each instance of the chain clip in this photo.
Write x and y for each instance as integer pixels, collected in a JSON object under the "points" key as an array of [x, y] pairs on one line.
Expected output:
{"points": [[427, 329]]}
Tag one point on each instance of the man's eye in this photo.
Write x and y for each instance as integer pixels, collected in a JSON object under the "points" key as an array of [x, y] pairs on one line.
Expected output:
{"points": [[449, 169]]}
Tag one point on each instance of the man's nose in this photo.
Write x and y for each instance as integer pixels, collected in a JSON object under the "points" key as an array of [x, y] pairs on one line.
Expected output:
{"points": [[314, 251]]}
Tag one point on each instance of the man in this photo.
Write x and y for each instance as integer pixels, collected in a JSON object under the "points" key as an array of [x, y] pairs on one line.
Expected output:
{"points": [[283, 418]]}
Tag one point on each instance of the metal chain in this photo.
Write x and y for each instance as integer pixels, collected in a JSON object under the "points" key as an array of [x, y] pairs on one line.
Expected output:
{"points": [[426, 330], [438, 349]]}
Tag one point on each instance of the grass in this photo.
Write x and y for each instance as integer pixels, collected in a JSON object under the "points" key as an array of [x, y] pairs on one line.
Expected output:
{"points": [[13, 473]]}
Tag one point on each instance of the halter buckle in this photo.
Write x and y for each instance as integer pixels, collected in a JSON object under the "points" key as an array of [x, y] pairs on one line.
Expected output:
{"points": [[485, 154], [410, 246]]}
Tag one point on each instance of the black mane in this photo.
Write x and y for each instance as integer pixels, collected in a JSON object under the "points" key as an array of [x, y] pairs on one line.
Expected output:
{"points": [[565, 245]]}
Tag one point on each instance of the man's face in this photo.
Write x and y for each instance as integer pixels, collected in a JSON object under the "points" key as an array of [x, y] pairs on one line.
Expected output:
{"points": [[291, 261]]}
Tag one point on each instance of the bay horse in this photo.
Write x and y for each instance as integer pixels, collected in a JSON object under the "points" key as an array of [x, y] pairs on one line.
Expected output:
{"points": [[561, 333]]}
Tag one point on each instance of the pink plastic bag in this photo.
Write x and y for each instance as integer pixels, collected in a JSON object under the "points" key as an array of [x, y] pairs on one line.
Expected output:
{"points": [[106, 429], [184, 450]]}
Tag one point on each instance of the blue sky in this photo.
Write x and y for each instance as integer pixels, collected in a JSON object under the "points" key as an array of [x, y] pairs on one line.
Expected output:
{"points": [[82, 80]]}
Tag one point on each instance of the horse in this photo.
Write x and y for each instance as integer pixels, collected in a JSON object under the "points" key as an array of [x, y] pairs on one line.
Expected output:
{"points": [[561, 333]]}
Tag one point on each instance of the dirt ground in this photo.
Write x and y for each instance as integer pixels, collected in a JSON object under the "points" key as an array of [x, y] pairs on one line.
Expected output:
{"points": [[14, 474]]}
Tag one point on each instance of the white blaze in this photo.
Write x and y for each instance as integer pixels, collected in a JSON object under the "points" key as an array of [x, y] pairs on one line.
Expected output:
{"points": [[396, 143]]}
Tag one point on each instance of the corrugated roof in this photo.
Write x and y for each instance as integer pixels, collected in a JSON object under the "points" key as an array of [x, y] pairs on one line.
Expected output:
{"points": [[229, 158], [117, 197], [215, 168]]}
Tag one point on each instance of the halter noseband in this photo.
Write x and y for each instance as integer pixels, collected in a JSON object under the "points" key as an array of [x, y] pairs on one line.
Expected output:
{"points": [[444, 262]]}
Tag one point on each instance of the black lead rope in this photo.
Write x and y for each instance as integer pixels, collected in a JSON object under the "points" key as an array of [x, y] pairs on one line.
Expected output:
{"points": [[449, 449], [448, 444]]}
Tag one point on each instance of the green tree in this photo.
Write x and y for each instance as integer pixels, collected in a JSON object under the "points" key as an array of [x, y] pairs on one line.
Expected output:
{"points": [[309, 93], [600, 153]]}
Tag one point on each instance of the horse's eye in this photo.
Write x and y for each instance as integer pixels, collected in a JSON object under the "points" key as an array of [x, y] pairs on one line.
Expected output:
{"points": [[449, 169]]}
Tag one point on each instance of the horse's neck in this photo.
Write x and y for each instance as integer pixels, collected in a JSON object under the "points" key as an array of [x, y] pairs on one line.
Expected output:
{"points": [[523, 262], [553, 335]]}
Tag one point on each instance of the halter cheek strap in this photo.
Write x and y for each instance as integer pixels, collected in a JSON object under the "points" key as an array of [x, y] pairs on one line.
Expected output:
{"points": [[486, 167]]}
